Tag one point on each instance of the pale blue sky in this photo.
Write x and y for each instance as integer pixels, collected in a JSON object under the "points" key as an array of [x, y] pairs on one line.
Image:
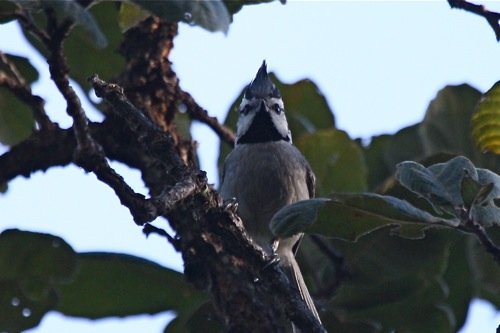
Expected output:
{"points": [[379, 64]]}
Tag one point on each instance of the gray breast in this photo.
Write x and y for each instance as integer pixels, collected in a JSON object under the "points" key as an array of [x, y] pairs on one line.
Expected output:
{"points": [[264, 178]]}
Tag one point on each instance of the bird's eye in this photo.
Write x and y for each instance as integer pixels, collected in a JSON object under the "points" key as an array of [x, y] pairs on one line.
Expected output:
{"points": [[245, 109], [277, 108]]}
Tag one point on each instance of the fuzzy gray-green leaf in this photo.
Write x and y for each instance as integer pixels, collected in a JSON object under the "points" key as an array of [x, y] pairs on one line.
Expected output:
{"points": [[297, 217]]}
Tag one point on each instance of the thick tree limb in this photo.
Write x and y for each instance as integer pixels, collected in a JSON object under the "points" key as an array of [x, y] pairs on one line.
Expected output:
{"points": [[212, 239], [218, 255], [491, 17]]}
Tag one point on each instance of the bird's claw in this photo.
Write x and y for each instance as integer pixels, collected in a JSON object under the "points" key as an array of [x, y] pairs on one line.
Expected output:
{"points": [[273, 261], [231, 205]]}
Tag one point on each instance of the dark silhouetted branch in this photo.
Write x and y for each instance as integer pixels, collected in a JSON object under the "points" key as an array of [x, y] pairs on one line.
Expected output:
{"points": [[16, 83], [196, 112], [491, 17]]}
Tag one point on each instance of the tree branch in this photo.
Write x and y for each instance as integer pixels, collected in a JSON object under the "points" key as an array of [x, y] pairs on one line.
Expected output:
{"points": [[211, 239], [471, 226], [18, 86], [491, 17], [196, 112]]}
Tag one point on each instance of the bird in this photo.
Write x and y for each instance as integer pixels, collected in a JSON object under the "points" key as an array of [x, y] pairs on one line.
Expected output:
{"points": [[266, 172]]}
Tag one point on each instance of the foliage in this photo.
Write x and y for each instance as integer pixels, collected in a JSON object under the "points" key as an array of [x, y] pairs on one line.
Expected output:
{"points": [[407, 247]]}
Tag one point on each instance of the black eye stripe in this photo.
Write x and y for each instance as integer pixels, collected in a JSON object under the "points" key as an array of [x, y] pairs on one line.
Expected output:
{"points": [[245, 109], [277, 108]]}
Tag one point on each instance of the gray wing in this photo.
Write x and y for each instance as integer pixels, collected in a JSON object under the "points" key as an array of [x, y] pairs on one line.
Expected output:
{"points": [[310, 180]]}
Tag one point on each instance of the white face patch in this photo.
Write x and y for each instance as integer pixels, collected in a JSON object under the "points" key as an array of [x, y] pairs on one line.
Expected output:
{"points": [[275, 100], [249, 108]]}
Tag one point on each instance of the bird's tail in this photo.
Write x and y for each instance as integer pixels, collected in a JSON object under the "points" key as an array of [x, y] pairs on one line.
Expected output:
{"points": [[292, 269]]}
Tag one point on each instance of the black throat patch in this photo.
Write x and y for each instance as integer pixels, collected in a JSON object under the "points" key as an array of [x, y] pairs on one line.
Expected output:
{"points": [[262, 129]]}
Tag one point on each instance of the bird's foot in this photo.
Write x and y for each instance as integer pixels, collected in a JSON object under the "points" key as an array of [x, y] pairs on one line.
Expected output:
{"points": [[230, 205]]}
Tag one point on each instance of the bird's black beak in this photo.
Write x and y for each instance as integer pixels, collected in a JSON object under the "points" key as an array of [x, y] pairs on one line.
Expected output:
{"points": [[262, 106]]}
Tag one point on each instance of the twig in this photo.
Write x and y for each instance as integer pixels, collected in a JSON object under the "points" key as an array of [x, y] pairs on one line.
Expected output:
{"points": [[196, 112], [18, 86], [149, 229], [491, 17], [484, 239], [470, 225], [87, 152], [337, 260], [157, 142]]}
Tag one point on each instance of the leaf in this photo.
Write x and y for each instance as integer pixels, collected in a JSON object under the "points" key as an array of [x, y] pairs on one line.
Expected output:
{"points": [[460, 281], [336, 160], [112, 284], [440, 184], [7, 11], [32, 268], [209, 14], [421, 181], [486, 121], [19, 312], [385, 151], [485, 209], [34, 255], [450, 175], [234, 6], [473, 193], [307, 111], [349, 216], [23, 66], [395, 282], [16, 120], [204, 316], [446, 125], [130, 15], [294, 218], [79, 49], [74, 11]]}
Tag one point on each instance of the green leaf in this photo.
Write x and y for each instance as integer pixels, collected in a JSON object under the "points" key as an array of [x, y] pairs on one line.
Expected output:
{"points": [[16, 120], [209, 14], [336, 160], [446, 126], [7, 11], [234, 6], [486, 121], [440, 184], [485, 209], [72, 10], [130, 15], [421, 181], [23, 66], [349, 216], [307, 111], [460, 281], [30, 255], [120, 285], [385, 151], [485, 270], [473, 193], [454, 186], [450, 174], [32, 268], [19, 312], [79, 48], [204, 316], [395, 282], [294, 218]]}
